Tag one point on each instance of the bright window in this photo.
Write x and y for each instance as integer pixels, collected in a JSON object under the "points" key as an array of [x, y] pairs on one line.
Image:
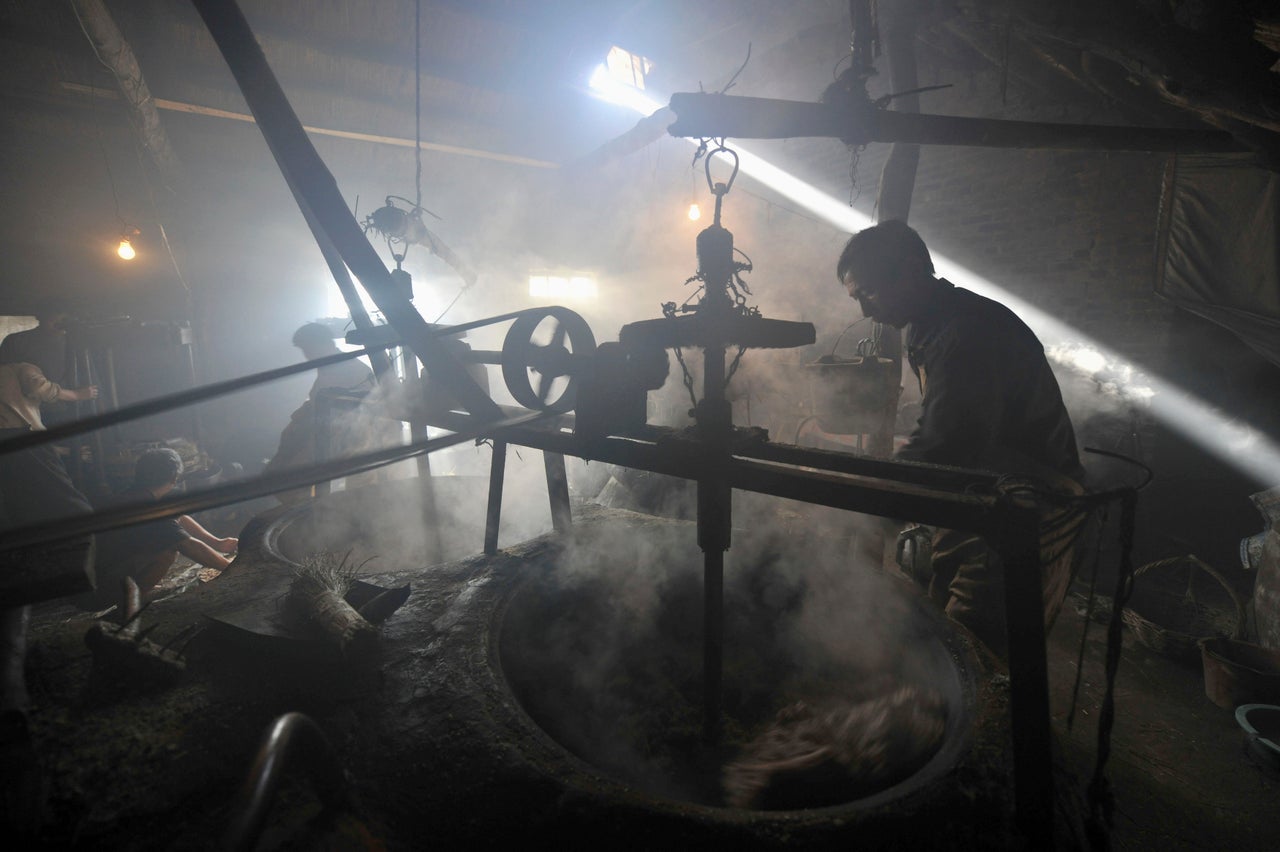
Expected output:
{"points": [[574, 286], [626, 67]]}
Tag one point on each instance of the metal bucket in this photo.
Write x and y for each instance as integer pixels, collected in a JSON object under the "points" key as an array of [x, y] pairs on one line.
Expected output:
{"points": [[851, 397], [1238, 672]]}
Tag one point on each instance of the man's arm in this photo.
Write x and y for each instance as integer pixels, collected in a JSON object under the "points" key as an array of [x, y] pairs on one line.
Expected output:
{"points": [[198, 551], [197, 532], [36, 386]]}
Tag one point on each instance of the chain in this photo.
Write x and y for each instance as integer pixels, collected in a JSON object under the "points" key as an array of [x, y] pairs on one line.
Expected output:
{"points": [[1102, 515], [688, 381], [1101, 798], [733, 368]]}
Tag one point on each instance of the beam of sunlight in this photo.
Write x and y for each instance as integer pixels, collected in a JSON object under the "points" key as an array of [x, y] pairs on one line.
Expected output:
{"points": [[1226, 438]]}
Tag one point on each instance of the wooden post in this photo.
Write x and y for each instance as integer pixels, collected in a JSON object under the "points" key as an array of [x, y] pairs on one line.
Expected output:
{"points": [[493, 515], [558, 491]]}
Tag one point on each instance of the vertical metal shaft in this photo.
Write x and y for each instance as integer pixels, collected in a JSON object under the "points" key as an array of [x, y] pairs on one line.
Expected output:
{"points": [[712, 641], [714, 417], [714, 519], [1028, 676]]}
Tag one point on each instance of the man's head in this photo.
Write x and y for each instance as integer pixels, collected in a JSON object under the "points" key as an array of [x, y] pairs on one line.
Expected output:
{"points": [[157, 470], [887, 269], [53, 314], [315, 341]]}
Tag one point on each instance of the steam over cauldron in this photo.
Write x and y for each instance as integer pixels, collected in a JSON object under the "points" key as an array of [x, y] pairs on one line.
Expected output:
{"points": [[839, 686]]}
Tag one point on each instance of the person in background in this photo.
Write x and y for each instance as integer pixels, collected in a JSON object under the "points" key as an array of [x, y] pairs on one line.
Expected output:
{"points": [[989, 400], [298, 440], [143, 553], [45, 345], [34, 488]]}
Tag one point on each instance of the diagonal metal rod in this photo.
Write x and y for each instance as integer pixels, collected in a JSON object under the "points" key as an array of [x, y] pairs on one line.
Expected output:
{"points": [[175, 400], [342, 278], [162, 404], [319, 196], [235, 492]]}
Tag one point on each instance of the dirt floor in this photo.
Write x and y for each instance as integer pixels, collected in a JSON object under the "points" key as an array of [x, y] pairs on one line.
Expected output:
{"points": [[125, 766], [1180, 777]]}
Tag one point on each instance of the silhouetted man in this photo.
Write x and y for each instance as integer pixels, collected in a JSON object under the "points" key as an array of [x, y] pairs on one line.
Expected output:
{"points": [[990, 401]]}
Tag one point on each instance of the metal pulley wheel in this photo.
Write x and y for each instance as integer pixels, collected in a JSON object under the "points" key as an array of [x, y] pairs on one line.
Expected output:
{"points": [[545, 356]]}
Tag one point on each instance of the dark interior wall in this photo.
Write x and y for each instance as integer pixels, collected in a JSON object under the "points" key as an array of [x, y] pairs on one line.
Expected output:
{"points": [[1074, 233]]}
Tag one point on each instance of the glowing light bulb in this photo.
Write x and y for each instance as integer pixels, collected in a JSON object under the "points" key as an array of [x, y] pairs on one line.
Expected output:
{"points": [[125, 250], [695, 212]]}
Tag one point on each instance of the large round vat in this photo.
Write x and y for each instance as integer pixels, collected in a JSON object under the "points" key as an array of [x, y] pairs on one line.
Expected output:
{"points": [[552, 693]]}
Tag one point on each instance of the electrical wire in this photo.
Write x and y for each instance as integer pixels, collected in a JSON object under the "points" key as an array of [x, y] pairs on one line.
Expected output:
{"points": [[417, 99], [741, 68], [164, 235], [1088, 617], [449, 307], [1101, 798]]}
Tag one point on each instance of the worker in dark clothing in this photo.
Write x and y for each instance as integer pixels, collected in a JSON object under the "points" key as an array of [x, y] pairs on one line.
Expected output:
{"points": [[343, 431], [143, 553], [989, 401], [34, 488]]}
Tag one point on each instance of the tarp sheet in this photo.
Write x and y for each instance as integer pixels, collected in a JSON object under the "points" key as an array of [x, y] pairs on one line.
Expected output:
{"points": [[1218, 254]]}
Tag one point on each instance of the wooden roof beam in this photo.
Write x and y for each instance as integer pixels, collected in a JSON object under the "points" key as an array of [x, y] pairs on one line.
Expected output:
{"points": [[116, 54]]}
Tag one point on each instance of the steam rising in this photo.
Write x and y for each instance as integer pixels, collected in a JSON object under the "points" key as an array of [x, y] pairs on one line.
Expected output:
{"points": [[604, 647]]}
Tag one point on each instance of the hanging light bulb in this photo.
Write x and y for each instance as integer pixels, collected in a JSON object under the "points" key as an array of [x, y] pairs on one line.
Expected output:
{"points": [[125, 250], [695, 212]]}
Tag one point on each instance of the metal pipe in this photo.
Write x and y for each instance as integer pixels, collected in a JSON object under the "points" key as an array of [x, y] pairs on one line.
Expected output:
{"points": [[712, 641], [1019, 547], [289, 735], [235, 492]]}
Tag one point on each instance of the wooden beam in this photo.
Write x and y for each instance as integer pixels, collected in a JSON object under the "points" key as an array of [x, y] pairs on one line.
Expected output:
{"points": [[114, 52], [705, 115], [396, 141]]}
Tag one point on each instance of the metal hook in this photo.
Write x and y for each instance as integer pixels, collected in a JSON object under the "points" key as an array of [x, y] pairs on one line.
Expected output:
{"points": [[719, 189]]}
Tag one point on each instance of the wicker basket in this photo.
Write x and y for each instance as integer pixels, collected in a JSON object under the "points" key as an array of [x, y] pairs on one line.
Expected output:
{"points": [[1182, 601]]}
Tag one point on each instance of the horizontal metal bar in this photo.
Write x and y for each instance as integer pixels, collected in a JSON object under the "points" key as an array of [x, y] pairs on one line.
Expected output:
{"points": [[235, 492], [161, 404], [899, 471], [884, 498], [872, 495]]}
